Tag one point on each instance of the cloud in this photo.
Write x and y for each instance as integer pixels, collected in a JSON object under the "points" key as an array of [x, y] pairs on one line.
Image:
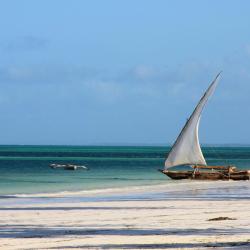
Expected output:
{"points": [[145, 84], [144, 72], [104, 91], [98, 103], [45, 74]]}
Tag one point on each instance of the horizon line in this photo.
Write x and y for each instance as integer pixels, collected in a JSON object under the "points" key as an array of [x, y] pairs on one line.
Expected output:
{"points": [[128, 145]]}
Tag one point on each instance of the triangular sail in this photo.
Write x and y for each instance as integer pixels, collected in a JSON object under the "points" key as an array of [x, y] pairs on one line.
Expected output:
{"points": [[186, 149]]}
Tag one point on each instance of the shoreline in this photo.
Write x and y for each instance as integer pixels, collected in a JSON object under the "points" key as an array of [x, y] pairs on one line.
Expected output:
{"points": [[150, 217], [171, 187]]}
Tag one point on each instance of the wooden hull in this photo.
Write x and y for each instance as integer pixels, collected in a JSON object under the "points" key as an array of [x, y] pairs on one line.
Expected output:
{"points": [[240, 175], [207, 175]]}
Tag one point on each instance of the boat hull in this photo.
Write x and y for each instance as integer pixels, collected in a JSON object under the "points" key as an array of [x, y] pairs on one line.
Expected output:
{"points": [[67, 166], [240, 175], [207, 175]]}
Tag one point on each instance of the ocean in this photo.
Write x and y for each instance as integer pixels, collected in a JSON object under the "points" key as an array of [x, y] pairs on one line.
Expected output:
{"points": [[25, 169]]}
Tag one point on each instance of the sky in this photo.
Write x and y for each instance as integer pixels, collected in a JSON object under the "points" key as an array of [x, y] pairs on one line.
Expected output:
{"points": [[122, 72]]}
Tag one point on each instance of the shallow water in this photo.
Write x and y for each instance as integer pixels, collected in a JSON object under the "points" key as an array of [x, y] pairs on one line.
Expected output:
{"points": [[25, 169]]}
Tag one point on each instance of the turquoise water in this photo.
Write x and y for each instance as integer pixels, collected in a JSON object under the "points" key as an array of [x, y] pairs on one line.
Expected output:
{"points": [[25, 169]]}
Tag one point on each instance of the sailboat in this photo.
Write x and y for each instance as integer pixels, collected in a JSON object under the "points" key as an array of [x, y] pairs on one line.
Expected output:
{"points": [[186, 150]]}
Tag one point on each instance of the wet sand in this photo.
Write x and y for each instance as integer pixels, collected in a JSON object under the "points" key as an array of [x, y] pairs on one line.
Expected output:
{"points": [[149, 219]]}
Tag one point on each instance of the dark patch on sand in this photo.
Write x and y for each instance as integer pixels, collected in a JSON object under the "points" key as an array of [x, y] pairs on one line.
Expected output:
{"points": [[221, 218]]}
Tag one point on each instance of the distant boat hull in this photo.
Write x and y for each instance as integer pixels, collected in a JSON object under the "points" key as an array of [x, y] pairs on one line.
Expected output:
{"points": [[207, 175], [67, 166]]}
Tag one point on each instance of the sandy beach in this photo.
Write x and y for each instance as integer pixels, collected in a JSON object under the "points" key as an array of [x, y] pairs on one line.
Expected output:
{"points": [[150, 218]]}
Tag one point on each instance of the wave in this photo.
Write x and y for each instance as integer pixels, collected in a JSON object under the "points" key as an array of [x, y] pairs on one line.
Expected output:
{"points": [[98, 191], [168, 187]]}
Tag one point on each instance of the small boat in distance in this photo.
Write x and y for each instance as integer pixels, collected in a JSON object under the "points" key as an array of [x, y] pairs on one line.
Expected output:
{"points": [[67, 166], [186, 151]]}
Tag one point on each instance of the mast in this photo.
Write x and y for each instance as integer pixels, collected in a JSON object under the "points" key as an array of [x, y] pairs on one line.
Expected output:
{"points": [[186, 149]]}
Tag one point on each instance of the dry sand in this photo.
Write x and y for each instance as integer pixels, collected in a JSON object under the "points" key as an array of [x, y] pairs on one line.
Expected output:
{"points": [[127, 224]]}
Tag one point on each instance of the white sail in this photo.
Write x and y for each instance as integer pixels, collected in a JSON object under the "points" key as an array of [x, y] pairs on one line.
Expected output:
{"points": [[186, 149]]}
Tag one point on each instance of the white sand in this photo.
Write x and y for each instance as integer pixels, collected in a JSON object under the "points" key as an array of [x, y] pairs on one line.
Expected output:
{"points": [[156, 224]]}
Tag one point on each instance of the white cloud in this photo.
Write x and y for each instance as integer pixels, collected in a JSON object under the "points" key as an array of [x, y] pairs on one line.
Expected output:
{"points": [[144, 72], [143, 82], [101, 90]]}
